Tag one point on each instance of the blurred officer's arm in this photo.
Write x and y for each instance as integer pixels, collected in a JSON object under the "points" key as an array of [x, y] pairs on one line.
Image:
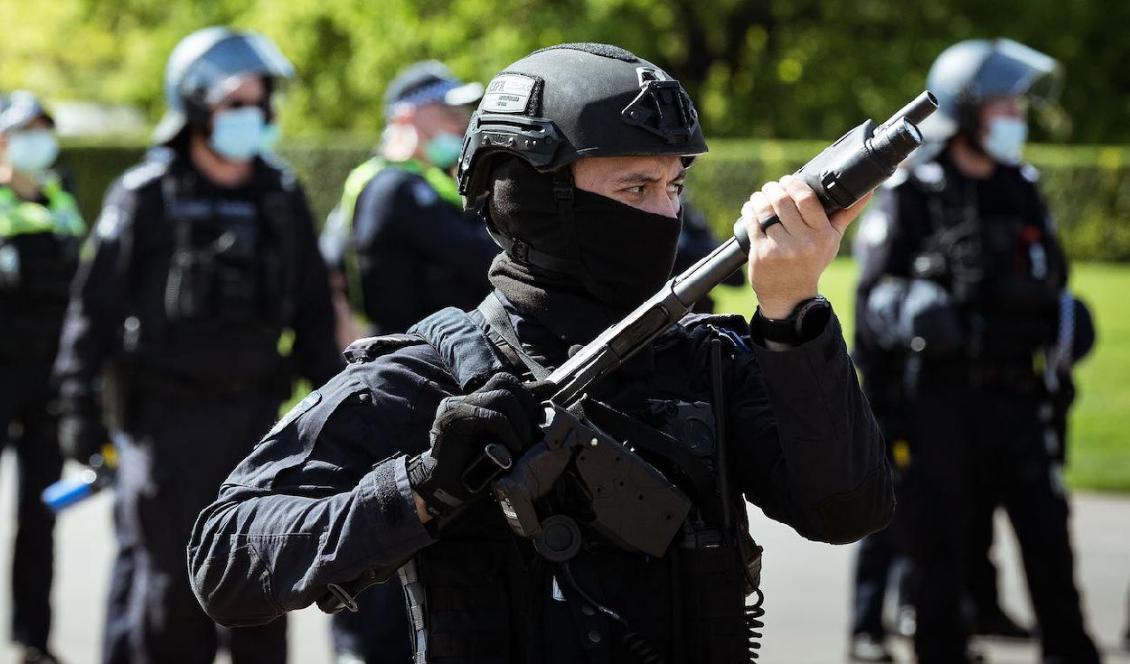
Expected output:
{"points": [[890, 233], [315, 345], [93, 325], [1058, 264], [323, 498]]}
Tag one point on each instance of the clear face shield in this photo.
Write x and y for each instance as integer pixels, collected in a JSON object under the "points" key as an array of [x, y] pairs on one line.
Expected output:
{"points": [[1014, 69], [229, 62], [1034, 78]]}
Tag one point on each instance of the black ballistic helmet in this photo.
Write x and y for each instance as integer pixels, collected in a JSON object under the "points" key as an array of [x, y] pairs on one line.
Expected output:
{"points": [[974, 71], [566, 102], [204, 67]]}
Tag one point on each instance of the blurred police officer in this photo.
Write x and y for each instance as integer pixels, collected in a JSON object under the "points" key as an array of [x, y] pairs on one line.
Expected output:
{"points": [[202, 266], [964, 278], [400, 233], [40, 233], [575, 159]]}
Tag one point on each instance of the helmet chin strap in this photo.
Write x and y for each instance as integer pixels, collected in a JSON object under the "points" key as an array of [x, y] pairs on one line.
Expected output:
{"points": [[517, 248], [563, 199]]}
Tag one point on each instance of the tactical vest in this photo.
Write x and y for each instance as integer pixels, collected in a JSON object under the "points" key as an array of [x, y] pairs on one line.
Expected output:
{"points": [[483, 595], [444, 185], [1001, 271], [229, 291], [39, 249]]}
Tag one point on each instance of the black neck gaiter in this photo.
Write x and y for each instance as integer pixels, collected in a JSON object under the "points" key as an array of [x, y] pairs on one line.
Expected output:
{"points": [[616, 256]]}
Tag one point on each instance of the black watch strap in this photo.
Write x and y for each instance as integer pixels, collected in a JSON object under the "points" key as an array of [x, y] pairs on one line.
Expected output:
{"points": [[804, 324]]}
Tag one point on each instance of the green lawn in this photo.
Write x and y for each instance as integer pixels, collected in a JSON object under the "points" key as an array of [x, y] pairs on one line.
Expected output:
{"points": [[1100, 443]]}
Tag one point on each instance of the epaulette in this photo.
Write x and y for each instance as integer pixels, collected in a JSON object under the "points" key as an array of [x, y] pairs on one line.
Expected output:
{"points": [[148, 171], [1030, 173], [929, 175], [370, 348]]}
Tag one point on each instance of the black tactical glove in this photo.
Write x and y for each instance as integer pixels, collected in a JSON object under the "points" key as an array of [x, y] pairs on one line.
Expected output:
{"points": [[81, 436], [503, 412]]}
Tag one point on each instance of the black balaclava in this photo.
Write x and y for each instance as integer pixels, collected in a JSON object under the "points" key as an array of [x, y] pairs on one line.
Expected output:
{"points": [[609, 257]]}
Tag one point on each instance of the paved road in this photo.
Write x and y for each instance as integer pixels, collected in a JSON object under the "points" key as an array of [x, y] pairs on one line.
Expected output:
{"points": [[806, 585]]}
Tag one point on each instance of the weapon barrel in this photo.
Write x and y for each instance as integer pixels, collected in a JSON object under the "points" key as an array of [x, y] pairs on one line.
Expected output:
{"points": [[920, 108]]}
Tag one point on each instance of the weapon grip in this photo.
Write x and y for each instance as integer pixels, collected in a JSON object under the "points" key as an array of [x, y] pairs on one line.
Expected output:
{"points": [[494, 460]]}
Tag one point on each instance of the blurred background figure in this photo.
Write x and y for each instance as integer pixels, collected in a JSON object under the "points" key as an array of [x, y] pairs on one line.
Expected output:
{"points": [[696, 241], [403, 248], [400, 234], [40, 233], [201, 295], [964, 282]]}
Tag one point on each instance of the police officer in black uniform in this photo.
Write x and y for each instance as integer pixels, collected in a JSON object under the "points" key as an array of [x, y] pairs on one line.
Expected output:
{"points": [[40, 233], [202, 269], [400, 233], [963, 289], [364, 476]]}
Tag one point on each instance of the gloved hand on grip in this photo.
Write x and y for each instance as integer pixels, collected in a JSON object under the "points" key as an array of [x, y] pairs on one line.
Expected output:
{"points": [[81, 436], [503, 412]]}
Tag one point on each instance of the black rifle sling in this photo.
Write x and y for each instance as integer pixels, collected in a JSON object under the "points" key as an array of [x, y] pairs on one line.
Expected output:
{"points": [[499, 330]]}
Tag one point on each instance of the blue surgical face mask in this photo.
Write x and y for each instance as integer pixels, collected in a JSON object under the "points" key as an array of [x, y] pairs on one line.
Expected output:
{"points": [[1004, 141], [237, 135], [443, 149], [32, 151]]}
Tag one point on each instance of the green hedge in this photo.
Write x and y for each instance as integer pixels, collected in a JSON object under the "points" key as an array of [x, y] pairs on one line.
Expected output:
{"points": [[1088, 188]]}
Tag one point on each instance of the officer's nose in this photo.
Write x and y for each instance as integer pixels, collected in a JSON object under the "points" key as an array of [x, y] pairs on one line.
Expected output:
{"points": [[662, 203]]}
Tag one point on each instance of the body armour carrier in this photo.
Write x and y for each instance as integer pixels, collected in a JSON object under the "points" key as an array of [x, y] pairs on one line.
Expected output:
{"points": [[1005, 273], [39, 253], [219, 270], [484, 595], [229, 290]]}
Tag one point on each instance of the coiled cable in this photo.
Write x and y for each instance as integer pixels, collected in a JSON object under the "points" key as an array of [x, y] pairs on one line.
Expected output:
{"points": [[753, 624]]}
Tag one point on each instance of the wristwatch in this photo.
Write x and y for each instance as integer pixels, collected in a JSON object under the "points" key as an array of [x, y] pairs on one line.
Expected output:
{"points": [[805, 323]]}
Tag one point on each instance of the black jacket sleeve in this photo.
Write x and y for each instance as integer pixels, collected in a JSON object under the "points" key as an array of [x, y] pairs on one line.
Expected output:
{"points": [[808, 450], [890, 234], [324, 497], [315, 347], [92, 328]]}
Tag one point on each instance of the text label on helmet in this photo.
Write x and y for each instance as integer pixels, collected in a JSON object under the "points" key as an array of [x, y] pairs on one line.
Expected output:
{"points": [[508, 93]]}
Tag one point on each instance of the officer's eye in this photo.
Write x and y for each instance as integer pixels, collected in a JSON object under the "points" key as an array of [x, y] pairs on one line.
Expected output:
{"points": [[638, 189]]}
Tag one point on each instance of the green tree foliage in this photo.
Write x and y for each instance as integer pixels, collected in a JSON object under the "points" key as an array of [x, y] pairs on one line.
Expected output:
{"points": [[758, 68]]}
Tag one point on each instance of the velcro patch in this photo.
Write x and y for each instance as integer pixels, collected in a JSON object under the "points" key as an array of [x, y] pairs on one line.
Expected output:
{"points": [[508, 93]]}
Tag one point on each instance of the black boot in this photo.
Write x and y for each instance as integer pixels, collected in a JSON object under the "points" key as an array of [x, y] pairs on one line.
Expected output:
{"points": [[997, 623]]}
